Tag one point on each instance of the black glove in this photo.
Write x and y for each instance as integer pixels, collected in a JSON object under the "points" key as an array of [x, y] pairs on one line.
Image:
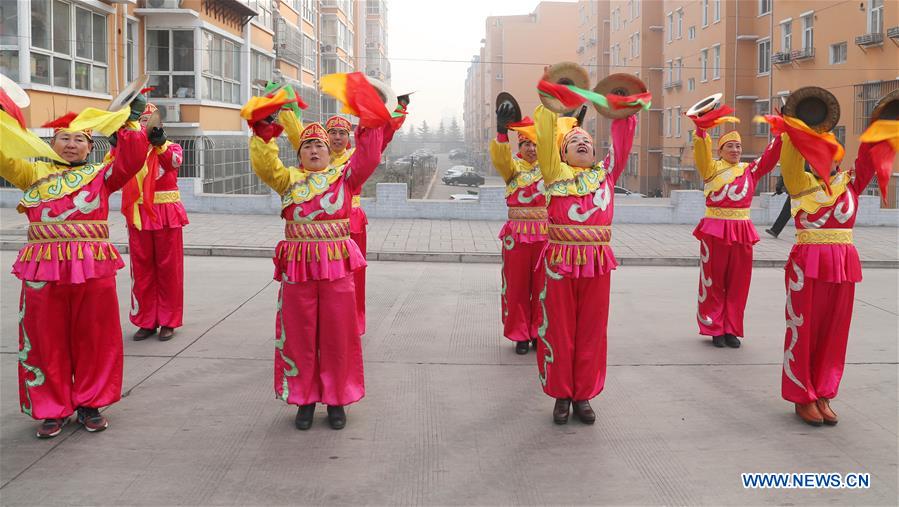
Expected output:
{"points": [[137, 106], [505, 114], [582, 112], [404, 100], [113, 139], [156, 136]]}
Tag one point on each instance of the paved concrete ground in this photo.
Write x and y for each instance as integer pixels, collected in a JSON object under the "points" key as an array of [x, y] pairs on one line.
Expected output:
{"points": [[468, 241], [452, 415]]}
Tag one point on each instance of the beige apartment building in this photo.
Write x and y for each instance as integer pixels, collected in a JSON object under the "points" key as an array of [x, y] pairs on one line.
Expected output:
{"points": [[513, 53], [204, 58], [755, 52]]}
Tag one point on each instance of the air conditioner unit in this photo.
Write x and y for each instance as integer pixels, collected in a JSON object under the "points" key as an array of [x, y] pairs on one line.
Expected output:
{"points": [[164, 4], [328, 48], [171, 113]]}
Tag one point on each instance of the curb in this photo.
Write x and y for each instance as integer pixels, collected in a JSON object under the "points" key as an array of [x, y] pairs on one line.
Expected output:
{"points": [[469, 258]]}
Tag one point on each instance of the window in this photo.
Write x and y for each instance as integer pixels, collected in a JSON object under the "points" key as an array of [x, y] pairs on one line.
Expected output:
{"points": [[705, 12], [764, 53], [309, 10], [875, 16], [633, 164], [9, 24], [170, 63], [808, 31], [764, 7], [616, 19], [838, 53], [669, 71], [678, 64], [716, 61], [131, 51], [786, 36], [704, 65], [635, 45], [691, 84], [670, 26], [221, 69], [261, 69], [308, 53], [264, 13], [840, 133], [691, 33], [716, 10], [54, 60], [761, 108], [679, 32], [668, 122], [677, 119], [635, 9]]}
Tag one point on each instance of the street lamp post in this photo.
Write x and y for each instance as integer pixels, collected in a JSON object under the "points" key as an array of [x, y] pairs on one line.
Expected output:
{"points": [[411, 174]]}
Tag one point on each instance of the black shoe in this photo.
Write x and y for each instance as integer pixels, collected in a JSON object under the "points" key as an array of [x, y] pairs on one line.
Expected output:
{"points": [[718, 341], [304, 416], [92, 420], [771, 232], [732, 341], [336, 417], [144, 333], [166, 333], [560, 411], [584, 412], [534, 343], [522, 347]]}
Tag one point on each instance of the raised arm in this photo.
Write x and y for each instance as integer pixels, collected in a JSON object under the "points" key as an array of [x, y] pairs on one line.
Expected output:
{"points": [[792, 168], [622, 134], [170, 156], [546, 123], [131, 152], [864, 165], [21, 173], [366, 157], [766, 163], [267, 165], [702, 153], [501, 156]]}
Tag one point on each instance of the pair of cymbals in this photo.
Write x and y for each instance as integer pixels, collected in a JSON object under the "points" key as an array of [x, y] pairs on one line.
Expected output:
{"points": [[570, 73]]}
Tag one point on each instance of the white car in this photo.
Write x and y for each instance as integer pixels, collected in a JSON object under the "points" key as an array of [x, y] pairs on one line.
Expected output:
{"points": [[464, 197]]}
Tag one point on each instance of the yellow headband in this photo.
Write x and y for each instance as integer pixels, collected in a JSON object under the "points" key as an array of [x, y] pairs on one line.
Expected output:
{"points": [[733, 135]]}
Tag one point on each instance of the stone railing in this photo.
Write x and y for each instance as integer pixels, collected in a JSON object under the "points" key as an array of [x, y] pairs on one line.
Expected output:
{"points": [[391, 201]]}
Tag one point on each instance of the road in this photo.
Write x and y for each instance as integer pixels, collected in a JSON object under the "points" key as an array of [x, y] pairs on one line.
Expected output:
{"points": [[451, 414], [443, 191]]}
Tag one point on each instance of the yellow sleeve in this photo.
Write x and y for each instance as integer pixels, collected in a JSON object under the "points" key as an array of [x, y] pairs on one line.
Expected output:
{"points": [[547, 153], [21, 173], [501, 156], [792, 168], [266, 164], [702, 155]]}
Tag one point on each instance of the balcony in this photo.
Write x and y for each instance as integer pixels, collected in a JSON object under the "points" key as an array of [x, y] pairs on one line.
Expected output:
{"points": [[672, 84], [893, 32], [781, 57], [803, 54], [869, 39]]}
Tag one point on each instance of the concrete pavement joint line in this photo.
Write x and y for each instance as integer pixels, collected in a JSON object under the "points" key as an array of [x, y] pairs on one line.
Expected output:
{"points": [[891, 312], [163, 365], [59, 441]]}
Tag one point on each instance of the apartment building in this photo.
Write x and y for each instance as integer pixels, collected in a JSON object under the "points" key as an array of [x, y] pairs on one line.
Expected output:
{"points": [[635, 36], [593, 55], [513, 53], [204, 58], [375, 63]]}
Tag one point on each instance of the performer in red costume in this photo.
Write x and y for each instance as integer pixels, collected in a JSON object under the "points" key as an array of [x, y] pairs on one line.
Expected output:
{"points": [[524, 234], [319, 351], [726, 233], [70, 337], [339, 129], [821, 273], [152, 207], [578, 259]]}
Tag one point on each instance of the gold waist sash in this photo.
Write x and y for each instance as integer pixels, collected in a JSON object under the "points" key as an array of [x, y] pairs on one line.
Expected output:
{"points": [[163, 197], [536, 214], [580, 234], [824, 236], [728, 213], [69, 230], [321, 230]]}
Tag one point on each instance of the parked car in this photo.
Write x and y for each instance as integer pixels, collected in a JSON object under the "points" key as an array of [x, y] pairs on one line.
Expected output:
{"points": [[457, 154], [464, 197], [402, 162], [623, 192], [467, 177], [455, 171], [423, 154]]}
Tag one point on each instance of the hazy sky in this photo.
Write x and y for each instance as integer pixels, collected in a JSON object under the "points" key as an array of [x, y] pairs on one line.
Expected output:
{"points": [[419, 31]]}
